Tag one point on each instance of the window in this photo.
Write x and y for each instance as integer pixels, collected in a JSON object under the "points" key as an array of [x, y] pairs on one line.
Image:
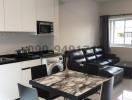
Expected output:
{"points": [[120, 31]]}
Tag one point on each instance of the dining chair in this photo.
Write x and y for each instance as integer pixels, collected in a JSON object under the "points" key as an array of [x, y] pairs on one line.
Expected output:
{"points": [[27, 93]]}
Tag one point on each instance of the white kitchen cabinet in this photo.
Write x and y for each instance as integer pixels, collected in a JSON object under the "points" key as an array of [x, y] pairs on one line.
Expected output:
{"points": [[1, 15], [12, 15], [28, 11], [26, 76], [45, 10], [31, 63], [10, 75], [26, 70]]}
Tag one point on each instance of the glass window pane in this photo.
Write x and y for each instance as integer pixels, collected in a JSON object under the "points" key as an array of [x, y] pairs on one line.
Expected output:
{"points": [[128, 26], [128, 38], [119, 32], [128, 29], [128, 23]]}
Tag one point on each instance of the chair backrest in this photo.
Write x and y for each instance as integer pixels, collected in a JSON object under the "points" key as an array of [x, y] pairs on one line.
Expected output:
{"points": [[27, 93]]}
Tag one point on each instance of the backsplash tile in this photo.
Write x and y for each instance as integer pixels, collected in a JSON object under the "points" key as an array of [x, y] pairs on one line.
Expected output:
{"points": [[9, 42]]}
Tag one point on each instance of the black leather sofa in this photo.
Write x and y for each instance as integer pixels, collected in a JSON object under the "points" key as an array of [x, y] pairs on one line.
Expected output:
{"points": [[95, 61]]}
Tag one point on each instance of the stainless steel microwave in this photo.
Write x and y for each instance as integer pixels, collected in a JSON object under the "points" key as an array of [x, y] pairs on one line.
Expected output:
{"points": [[44, 27]]}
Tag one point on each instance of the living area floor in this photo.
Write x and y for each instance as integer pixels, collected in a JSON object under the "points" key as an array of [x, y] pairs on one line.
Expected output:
{"points": [[123, 91]]}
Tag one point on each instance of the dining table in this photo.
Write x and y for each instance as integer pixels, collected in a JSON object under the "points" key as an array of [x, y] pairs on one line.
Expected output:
{"points": [[71, 84]]}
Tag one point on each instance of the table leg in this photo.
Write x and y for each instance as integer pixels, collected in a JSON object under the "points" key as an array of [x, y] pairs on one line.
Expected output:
{"points": [[107, 89], [65, 98], [70, 99], [101, 92]]}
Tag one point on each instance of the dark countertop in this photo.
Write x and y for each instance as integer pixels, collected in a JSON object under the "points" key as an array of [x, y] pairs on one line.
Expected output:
{"points": [[13, 58]]}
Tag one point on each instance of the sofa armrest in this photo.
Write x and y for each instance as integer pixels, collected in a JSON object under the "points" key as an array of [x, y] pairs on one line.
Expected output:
{"points": [[110, 55]]}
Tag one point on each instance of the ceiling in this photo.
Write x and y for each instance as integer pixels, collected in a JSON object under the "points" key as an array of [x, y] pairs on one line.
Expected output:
{"points": [[104, 0]]}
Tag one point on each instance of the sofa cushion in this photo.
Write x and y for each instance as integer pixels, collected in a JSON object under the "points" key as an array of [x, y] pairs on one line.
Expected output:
{"points": [[109, 71], [98, 52], [91, 58], [89, 54], [113, 70], [82, 60], [89, 51], [98, 49], [103, 62], [77, 54]]}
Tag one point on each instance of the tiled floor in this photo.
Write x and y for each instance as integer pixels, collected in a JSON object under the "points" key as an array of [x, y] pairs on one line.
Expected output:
{"points": [[121, 92]]}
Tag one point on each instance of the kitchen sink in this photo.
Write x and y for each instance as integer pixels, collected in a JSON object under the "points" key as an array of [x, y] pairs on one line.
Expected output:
{"points": [[6, 59]]}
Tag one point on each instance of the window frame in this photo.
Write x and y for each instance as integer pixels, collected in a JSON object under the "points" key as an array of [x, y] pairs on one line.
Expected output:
{"points": [[111, 41]]}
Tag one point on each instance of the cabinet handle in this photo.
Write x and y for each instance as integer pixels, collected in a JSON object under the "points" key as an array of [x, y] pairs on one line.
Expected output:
{"points": [[26, 68]]}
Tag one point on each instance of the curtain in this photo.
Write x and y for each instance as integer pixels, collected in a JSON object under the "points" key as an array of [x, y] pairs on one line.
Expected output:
{"points": [[104, 31]]}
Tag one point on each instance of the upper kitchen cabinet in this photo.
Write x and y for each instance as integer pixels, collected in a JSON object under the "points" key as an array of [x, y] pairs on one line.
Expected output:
{"points": [[1, 15], [21, 15], [45, 10], [12, 15], [28, 15], [18, 15]]}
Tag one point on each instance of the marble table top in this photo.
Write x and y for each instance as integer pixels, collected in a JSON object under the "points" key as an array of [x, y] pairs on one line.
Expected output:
{"points": [[72, 82]]}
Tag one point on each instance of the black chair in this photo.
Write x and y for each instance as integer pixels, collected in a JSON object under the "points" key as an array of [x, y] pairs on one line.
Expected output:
{"points": [[27, 93], [43, 93]]}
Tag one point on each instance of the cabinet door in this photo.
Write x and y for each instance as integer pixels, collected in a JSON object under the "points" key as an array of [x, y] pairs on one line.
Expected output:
{"points": [[1, 15], [28, 15], [26, 70], [12, 15], [45, 10], [26, 77], [10, 75], [31, 63]]}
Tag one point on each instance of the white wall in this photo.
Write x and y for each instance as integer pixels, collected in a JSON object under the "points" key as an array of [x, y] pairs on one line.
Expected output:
{"points": [[9, 42], [79, 22], [116, 7]]}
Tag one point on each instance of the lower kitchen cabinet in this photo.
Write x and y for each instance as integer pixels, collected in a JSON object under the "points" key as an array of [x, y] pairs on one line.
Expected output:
{"points": [[26, 67], [14, 73], [26, 76], [10, 75]]}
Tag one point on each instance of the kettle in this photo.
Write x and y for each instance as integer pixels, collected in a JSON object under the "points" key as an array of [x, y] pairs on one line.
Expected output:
{"points": [[20, 51]]}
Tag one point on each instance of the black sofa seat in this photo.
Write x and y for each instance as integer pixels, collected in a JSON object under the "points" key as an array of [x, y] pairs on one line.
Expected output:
{"points": [[113, 71], [103, 62]]}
